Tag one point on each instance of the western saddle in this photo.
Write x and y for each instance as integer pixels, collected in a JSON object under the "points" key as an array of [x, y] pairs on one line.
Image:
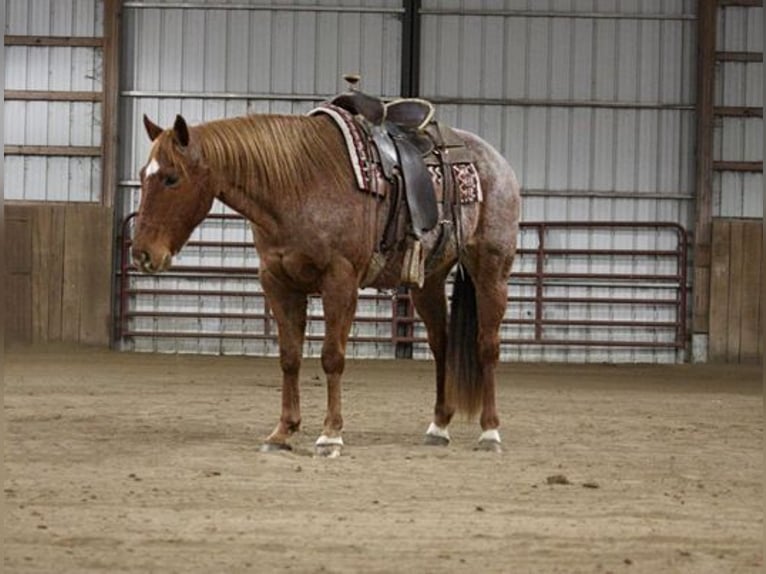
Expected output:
{"points": [[407, 113], [408, 140]]}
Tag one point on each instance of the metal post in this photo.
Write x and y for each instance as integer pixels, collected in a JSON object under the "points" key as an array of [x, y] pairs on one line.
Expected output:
{"points": [[410, 63], [539, 274], [403, 309]]}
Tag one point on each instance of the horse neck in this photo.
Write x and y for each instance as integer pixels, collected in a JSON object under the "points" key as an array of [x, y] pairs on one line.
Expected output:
{"points": [[264, 161]]}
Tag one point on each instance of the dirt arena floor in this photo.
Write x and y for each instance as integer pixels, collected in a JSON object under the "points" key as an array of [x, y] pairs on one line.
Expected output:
{"points": [[145, 463]]}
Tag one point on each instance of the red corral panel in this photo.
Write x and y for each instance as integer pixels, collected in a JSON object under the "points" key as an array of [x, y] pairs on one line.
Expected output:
{"points": [[575, 284]]}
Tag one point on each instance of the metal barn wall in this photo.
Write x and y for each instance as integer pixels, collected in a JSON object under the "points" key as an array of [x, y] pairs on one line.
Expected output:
{"points": [[593, 104], [739, 84], [60, 73], [220, 60], [53, 123]]}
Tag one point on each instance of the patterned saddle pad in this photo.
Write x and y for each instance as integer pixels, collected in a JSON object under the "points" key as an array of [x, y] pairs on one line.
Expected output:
{"points": [[366, 164]]}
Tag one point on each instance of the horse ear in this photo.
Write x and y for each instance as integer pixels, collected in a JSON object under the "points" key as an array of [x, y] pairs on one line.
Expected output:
{"points": [[151, 128], [182, 131]]}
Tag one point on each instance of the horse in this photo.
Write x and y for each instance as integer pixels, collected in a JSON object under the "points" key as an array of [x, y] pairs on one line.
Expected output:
{"points": [[316, 233]]}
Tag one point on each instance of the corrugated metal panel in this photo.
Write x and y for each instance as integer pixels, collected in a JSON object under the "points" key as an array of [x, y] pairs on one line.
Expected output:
{"points": [[600, 125], [53, 123], [593, 105], [220, 61], [738, 194], [644, 65], [53, 17], [246, 56], [739, 139]]}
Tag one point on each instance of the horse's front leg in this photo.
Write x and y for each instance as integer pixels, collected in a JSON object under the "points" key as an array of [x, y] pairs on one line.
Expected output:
{"points": [[339, 296], [289, 308], [431, 304]]}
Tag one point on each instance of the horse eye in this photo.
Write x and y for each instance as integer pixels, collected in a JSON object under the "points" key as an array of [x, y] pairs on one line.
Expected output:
{"points": [[170, 180]]}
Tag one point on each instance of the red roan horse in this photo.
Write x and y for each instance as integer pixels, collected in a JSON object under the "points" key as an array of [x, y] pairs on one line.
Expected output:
{"points": [[315, 232]]}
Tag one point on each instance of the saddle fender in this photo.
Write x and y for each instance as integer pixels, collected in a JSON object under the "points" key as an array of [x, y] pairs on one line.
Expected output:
{"points": [[386, 150], [419, 189]]}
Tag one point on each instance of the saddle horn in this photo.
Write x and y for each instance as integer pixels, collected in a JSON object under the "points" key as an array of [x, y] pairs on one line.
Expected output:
{"points": [[353, 81]]}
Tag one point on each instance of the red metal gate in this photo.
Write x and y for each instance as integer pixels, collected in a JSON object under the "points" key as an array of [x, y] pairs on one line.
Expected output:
{"points": [[549, 282]]}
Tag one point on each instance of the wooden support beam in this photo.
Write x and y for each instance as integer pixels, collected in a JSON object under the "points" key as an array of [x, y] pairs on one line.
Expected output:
{"points": [[52, 96], [706, 56], [55, 41], [741, 3], [111, 95], [53, 150], [741, 166], [744, 57], [734, 112]]}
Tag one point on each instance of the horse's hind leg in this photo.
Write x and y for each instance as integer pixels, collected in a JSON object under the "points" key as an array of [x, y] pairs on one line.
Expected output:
{"points": [[490, 277], [289, 308], [431, 304], [339, 296]]}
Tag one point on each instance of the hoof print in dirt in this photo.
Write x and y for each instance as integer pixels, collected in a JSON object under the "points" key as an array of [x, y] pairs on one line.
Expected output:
{"points": [[557, 479]]}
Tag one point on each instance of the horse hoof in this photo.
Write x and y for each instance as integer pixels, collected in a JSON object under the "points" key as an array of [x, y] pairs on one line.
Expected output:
{"points": [[436, 436], [328, 450], [435, 440], [275, 447], [489, 445], [328, 447], [489, 441]]}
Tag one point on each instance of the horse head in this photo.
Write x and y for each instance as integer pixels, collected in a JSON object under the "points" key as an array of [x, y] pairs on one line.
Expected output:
{"points": [[176, 195]]}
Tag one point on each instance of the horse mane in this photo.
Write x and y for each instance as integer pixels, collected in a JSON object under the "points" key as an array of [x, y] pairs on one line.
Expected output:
{"points": [[276, 153]]}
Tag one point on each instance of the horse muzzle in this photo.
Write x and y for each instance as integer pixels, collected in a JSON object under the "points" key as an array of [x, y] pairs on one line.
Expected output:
{"points": [[146, 263]]}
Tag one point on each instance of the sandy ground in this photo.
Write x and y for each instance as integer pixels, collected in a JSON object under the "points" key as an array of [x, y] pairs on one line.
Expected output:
{"points": [[146, 463]]}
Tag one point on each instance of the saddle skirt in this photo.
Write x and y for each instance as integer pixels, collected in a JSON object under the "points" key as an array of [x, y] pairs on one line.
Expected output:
{"points": [[367, 164]]}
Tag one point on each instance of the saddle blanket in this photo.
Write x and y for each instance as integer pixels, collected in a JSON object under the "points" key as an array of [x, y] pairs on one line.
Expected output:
{"points": [[367, 170]]}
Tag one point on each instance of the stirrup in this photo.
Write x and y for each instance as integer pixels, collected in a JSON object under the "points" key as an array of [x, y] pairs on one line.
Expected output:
{"points": [[376, 266], [413, 268]]}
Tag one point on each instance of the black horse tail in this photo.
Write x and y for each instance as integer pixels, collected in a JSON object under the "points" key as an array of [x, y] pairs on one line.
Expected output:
{"points": [[463, 372]]}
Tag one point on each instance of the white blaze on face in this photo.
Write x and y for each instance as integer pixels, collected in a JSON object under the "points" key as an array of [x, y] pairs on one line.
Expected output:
{"points": [[153, 166]]}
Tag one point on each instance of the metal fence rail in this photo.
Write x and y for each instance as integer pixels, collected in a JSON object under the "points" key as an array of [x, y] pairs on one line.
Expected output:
{"points": [[574, 293]]}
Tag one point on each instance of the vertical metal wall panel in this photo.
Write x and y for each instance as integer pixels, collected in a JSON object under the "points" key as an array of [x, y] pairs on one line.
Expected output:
{"points": [[216, 61], [737, 194], [591, 102], [42, 123], [537, 69], [592, 112], [53, 17], [739, 84]]}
